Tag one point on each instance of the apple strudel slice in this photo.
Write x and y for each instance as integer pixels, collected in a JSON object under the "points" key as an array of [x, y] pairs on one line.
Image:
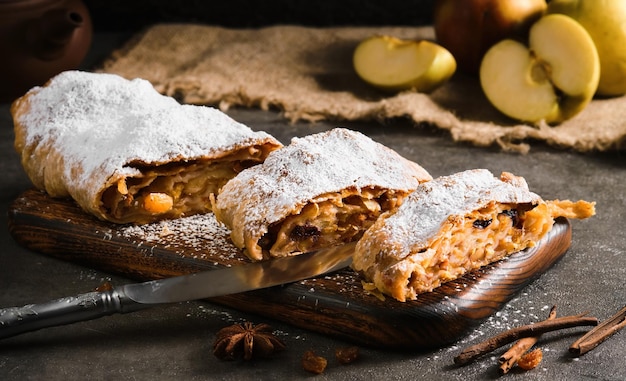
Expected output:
{"points": [[452, 225], [320, 190], [126, 153]]}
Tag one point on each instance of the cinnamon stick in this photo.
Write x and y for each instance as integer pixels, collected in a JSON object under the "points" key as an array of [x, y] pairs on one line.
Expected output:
{"points": [[517, 350], [473, 352], [597, 335]]}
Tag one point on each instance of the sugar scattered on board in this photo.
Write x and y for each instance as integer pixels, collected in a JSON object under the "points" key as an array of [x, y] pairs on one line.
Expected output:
{"points": [[200, 233]]}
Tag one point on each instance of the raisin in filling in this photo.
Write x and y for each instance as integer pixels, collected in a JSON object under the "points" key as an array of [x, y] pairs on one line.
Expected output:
{"points": [[336, 218], [513, 214], [482, 224], [304, 232]]}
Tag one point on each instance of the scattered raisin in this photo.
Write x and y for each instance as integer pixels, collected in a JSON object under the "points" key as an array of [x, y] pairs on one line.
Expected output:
{"points": [[347, 355], [313, 363], [530, 359]]}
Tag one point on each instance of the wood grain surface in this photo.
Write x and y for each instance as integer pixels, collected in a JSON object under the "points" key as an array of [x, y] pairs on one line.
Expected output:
{"points": [[333, 304]]}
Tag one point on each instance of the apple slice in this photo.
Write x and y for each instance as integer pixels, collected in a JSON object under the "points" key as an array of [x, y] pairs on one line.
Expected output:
{"points": [[392, 64], [605, 22], [551, 79]]}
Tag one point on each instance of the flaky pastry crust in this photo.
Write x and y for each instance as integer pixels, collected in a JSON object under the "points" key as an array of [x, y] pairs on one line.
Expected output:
{"points": [[320, 190], [126, 153], [452, 225]]}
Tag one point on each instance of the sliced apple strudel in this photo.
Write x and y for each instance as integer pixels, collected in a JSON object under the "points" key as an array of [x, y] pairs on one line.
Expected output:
{"points": [[320, 190], [126, 153], [452, 225]]}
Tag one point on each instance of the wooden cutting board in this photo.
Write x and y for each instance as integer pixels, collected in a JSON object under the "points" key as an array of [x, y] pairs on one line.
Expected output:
{"points": [[333, 304]]}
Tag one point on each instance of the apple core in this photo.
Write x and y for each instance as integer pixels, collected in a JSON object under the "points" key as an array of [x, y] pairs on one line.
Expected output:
{"points": [[539, 71]]}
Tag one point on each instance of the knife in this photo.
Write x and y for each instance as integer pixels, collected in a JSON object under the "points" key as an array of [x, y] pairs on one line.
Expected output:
{"points": [[206, 284]]}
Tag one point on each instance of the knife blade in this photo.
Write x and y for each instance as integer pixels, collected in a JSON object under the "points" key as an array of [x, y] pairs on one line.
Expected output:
{"points": [[206, 284]]}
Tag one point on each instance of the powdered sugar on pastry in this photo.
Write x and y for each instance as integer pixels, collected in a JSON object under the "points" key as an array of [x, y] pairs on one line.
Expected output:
{"points": [[432, 203], [104, 122], [307, 171], [83, 132], [452, 225]]}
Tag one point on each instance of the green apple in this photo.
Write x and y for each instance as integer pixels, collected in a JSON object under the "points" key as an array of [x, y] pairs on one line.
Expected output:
{"points": [[392, 64], [605, 21], [468, 28], [552, 78]]}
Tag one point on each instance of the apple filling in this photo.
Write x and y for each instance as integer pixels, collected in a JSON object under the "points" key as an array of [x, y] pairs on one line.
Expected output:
{"points": [[175, 189], [466, 243], [329, 220], [477, 239]]}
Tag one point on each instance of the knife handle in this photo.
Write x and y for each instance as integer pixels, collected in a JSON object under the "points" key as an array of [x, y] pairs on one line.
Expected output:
{"points": [[89, 306]]}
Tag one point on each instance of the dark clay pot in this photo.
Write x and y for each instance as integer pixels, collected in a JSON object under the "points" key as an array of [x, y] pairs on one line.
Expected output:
{"points": [[39, 39]]}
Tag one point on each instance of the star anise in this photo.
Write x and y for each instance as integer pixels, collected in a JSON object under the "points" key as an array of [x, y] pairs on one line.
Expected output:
{"points": [[246, 340]]}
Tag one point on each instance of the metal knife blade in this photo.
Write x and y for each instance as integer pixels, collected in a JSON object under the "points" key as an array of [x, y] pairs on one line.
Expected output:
{"points": [[206, 284]]}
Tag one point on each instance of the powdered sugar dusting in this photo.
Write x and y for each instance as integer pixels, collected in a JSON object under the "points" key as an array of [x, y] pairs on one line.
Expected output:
{"points": [[518, 311], [100, 123], [200, 236], [310, 167], [420, 217]]}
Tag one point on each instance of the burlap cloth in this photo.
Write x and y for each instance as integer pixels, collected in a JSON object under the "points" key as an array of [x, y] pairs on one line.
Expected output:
{"points": [[307, 74]]}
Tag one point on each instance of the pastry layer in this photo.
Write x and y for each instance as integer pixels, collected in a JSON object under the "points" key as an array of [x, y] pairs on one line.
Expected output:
{"points": [[453, 225], [125, 152], [320, 190]]}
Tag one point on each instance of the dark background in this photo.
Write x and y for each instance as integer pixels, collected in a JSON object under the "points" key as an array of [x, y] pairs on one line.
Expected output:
{"points": [[124, 15]]}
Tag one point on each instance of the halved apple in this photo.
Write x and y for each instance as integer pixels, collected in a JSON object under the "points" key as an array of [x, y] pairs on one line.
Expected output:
{"points": [[605, 21], [551, 79], [393, 64]]}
